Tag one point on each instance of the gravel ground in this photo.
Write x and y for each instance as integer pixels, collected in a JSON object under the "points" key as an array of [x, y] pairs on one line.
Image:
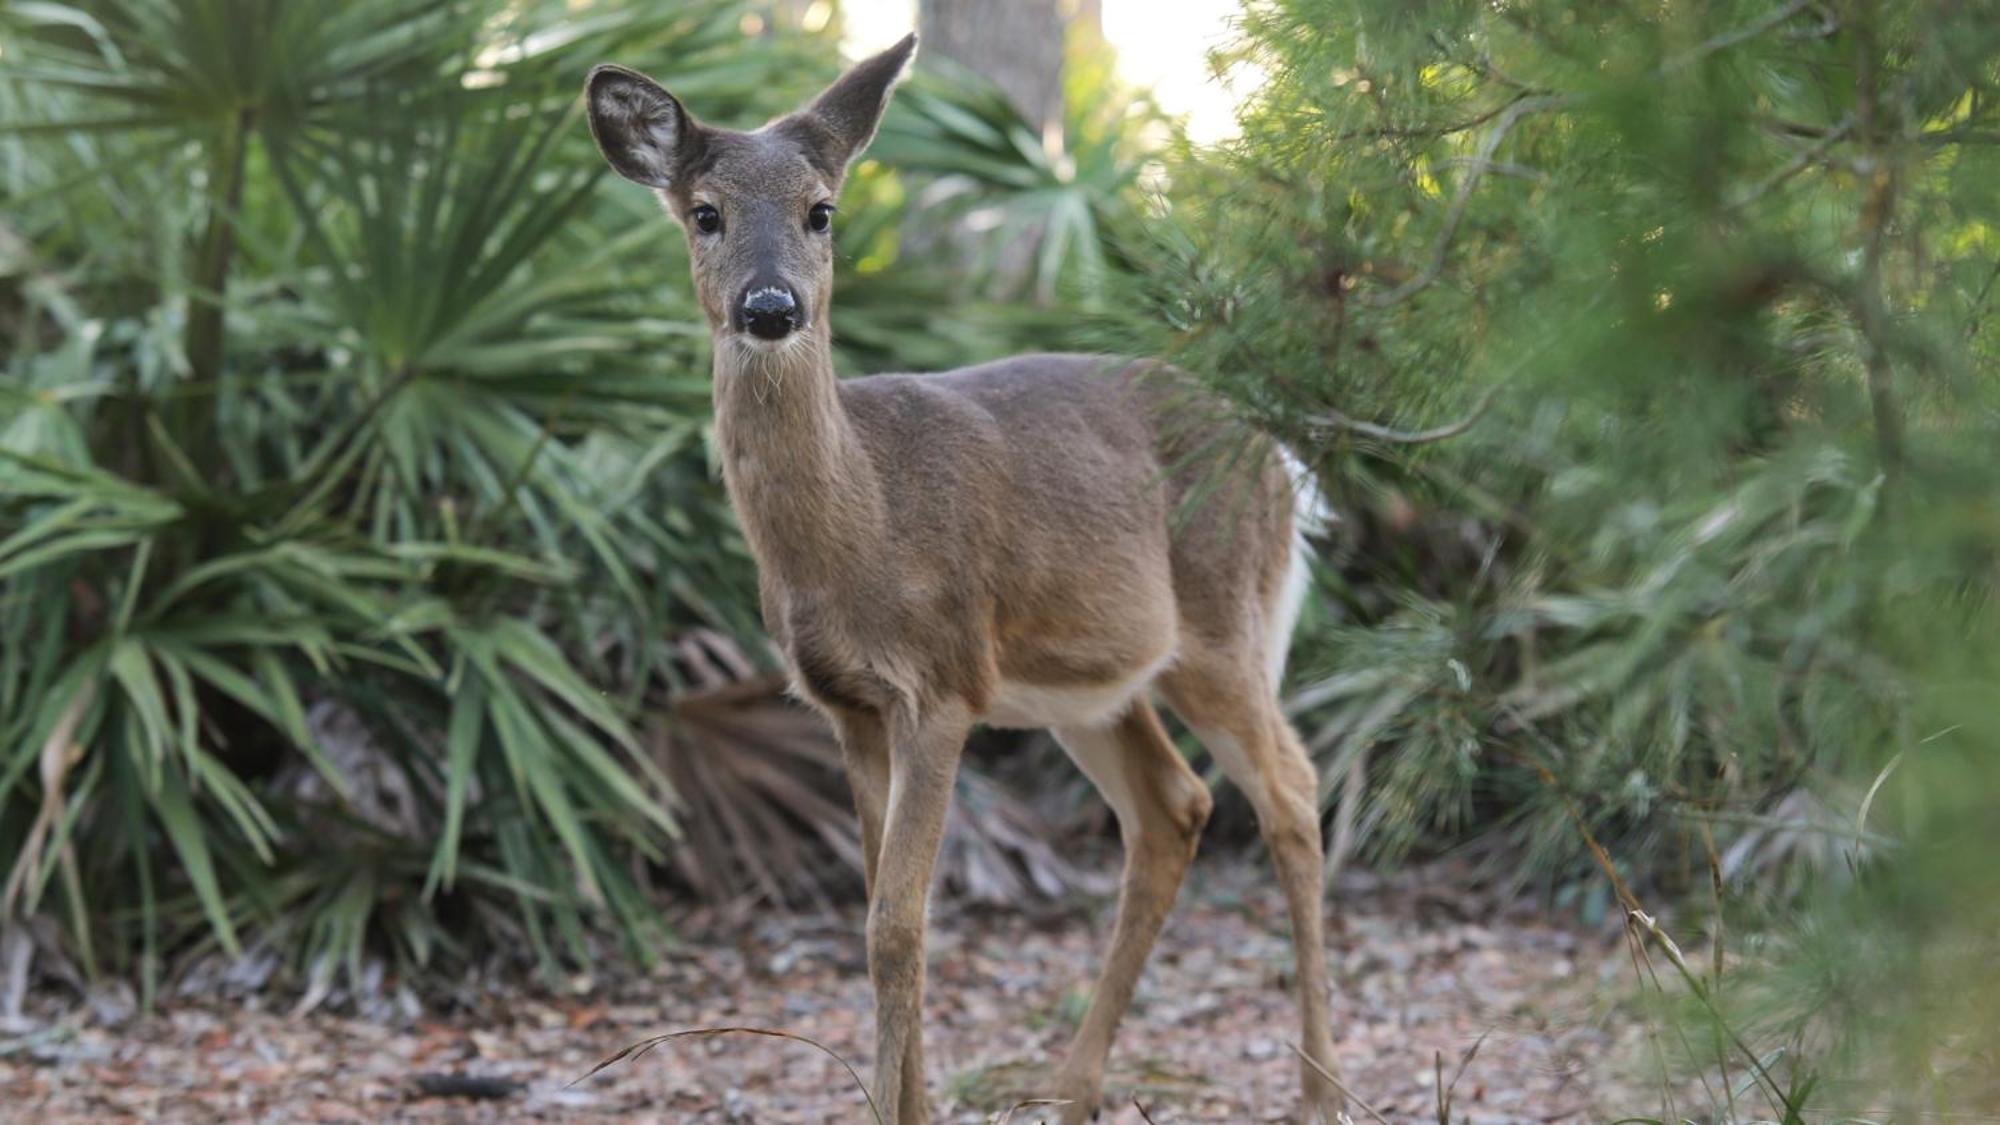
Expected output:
{"points": [[1424, 972]]}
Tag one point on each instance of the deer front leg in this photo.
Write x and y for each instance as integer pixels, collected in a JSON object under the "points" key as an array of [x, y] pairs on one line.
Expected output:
{"points": [[923, 767], [864, 744], [864, 750]]}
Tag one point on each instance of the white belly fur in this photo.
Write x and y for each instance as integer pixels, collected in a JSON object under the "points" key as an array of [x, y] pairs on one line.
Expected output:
{"points": [[1018, 706]]}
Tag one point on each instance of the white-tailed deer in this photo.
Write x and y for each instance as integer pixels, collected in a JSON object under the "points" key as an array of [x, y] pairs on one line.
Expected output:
{"points": [[1045, 541]]}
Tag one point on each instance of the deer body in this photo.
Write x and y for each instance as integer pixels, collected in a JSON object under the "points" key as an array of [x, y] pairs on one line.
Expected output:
{"points": [[1045, 541], [912, 545]]}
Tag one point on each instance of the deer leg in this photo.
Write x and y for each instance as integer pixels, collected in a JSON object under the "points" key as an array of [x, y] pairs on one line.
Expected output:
{"points": [[864, 749], [864, 745], [1161, 807], [1238, 720], [923, 766]]}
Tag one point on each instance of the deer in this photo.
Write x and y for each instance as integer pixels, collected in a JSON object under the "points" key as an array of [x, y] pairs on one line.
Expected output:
{"points": [[1037, 542]]}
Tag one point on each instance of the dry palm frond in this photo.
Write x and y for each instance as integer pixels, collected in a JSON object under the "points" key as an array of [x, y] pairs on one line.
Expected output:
{"points": [[999, 850], [765, 810]]}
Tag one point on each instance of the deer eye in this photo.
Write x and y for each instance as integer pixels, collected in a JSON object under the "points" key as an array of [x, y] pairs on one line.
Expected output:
{"points": [[707, 219], [820, 218]]}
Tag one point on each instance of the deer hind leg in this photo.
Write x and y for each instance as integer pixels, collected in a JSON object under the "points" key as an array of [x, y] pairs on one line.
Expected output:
{"points": [[1161, 807], [923, 766], [1234, 711]]}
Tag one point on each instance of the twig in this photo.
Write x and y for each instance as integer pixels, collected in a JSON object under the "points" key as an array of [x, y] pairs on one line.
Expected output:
{"points": [[1960, 137], [1499, 168], [1868, 802], [1483, 159], [1715, 888], [1027, 1103], [1635, 914], [1441, 129], [1718, 944], [1141, 1107], [635, 1050], [59, 755], [1642, 968], [1347, 812], [1979, 303], [1732, 37], [1666, 943], [1007, 1115], [467, 1086], [1829, 23], [1796, 164], [1871, 307], [1642, 957], [1786, 127], [1336, 420], [1445, 1089], [1338, 1084]]}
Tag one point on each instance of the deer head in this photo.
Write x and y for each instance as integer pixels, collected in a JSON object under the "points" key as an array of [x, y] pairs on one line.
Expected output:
{"points": [[757, 208]]}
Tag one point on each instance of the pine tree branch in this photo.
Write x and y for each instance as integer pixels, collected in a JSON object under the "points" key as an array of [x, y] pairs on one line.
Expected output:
{"points": [[1333, 419], [1436, 129], [1871, 307], [1481, 162], [1798, 163], [1734, 36], [1979, 303], [1961, 137]]}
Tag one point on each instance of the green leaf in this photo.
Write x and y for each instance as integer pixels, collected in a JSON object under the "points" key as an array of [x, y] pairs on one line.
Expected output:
{"points": [[148, 721], [468, 717], [532, 653], [291, 718], [190, 842]]}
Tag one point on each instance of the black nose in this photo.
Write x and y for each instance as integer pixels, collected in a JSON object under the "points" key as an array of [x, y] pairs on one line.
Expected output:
{"points": [[770, 313]]}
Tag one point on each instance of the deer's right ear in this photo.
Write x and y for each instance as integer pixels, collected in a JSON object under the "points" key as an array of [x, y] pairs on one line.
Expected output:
{"points": [[641, 130]]}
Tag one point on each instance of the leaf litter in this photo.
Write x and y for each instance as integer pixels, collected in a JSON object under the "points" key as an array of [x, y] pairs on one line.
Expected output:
{"points": [[1525, 1018]]}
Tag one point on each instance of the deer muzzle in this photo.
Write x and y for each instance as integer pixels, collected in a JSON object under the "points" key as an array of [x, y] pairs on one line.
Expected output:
{"points": [[770, 312]]}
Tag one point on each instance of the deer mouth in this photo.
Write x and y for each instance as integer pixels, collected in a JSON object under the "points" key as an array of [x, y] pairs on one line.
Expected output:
{"points": [[794, 342]]}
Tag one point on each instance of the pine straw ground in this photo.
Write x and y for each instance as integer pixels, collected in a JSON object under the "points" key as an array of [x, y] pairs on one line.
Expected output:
{"points": [[1425, 971]]}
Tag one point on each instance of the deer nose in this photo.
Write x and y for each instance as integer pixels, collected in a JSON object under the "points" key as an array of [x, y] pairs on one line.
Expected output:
{"points": [[770, 313]]}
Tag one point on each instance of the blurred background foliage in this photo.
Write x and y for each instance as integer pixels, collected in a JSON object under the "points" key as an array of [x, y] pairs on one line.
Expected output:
{"points": [[1647, 352], [370, 599]]}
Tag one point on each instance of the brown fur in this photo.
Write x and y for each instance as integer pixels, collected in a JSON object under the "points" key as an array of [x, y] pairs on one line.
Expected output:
{"points": [[1035, 541]]}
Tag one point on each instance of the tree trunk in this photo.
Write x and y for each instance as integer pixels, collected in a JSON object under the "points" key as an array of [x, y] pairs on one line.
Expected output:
{"points": [[1016, 44]]}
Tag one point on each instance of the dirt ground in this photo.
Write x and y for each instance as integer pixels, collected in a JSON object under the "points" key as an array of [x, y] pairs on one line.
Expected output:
{"points": [[1424, 971]]}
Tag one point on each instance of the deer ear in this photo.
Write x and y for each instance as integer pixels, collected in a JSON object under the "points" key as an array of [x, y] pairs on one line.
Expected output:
{"points": [[642, 131], [841, 121]]}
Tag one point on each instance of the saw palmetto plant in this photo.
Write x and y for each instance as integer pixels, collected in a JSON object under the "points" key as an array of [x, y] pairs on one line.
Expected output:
{"points": [[358, 537]]}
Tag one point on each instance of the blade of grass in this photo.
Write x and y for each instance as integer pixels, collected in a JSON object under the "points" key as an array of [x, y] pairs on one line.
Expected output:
{"points": [[1330, 1076], [639, 1049]]}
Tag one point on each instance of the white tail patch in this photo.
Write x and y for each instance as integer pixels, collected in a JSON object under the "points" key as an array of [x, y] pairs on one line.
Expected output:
{"points": [[1310, 513], [1285, 615]]}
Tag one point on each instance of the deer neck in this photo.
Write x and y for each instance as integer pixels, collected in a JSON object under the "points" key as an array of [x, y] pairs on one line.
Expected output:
{"points": [[803, 487]]}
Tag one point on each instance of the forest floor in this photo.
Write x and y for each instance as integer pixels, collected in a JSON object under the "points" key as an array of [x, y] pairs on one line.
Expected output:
{"points": [[1425, 972]]}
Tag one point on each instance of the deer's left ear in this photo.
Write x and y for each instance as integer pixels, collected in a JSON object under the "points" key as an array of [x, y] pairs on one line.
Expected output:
{"points": [[841, 121]]}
